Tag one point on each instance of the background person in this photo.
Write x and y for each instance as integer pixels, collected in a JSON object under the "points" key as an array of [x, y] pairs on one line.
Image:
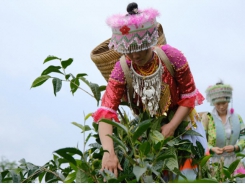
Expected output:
{"points": [[224, 128]]}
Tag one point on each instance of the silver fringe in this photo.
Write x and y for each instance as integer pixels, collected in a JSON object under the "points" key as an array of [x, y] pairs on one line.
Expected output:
{"points": [[148, 88]]}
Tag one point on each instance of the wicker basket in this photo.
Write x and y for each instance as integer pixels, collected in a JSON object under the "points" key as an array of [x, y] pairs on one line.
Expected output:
{"points": [[105, 58]]}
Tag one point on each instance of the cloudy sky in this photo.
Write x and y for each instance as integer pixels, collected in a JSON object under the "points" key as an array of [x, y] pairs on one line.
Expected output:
{"points": [[34, 123]]}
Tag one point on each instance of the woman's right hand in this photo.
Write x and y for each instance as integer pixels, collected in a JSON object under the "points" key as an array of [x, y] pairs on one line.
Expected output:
{"points": [[217, 150], [109, 160], [111, 163]]}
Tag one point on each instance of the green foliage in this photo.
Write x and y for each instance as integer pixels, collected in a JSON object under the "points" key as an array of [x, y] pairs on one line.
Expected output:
{"points": [[143, 161], [57, 84], [140, 129], [95, 88], [6, 164], [74, 81], [84, 128], [219, 173], [40, 80], [74, 84], [50, 58], [66, 63], [51, 69], [143, 152]]}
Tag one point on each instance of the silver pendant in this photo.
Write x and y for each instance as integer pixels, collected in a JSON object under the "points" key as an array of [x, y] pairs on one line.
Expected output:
{"points": [[148, 88]]}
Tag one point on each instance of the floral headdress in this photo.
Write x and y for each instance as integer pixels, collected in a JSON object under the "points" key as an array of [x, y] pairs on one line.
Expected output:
{"points": [[219, 93], [133, 33]]}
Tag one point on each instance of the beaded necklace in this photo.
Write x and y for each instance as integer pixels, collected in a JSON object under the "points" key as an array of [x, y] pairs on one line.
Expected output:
{"points": [[148, 68]]}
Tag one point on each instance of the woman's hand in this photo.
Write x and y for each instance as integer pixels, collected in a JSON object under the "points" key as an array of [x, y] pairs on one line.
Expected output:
{"points": [[109, 160], [229, 148], [111, 163], [217, 150], [167, 130]]}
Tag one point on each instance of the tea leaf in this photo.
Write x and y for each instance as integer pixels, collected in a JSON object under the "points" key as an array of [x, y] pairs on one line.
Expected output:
{"points": [[199, 149], [57, 84], [145, 148], [87, 116], [81, 75], [204, 160], [192, 132], [49, 58], [138, 171], [52, 69], [102, 88], [162, 157], [74, 84], [172, 162], [81, 177], [95, 145], [70, 178], [84, 128], [88, 137], [155, 136], [40, 177], [84, 80], [40, 80], [157, 146], [118, 141], [148, 179], [96, 91], [141, 128], [240, 155], [226, 172], [66, 154], [15, 177], [240, 175], [157, 167], [234, 165], [66, 63]]}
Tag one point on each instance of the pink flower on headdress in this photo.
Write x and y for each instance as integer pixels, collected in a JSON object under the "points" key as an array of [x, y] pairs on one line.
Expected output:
{"points": [[124, 30]]}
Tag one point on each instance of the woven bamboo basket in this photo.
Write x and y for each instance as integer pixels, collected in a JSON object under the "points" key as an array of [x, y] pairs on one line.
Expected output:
{"points": [[105, 58]]}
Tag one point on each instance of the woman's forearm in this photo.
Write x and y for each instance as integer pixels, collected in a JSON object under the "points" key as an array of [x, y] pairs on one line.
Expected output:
{"points": [[104, 130], [179, 116]]}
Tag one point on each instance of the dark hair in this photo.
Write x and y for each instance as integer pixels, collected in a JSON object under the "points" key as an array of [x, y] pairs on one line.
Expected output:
{"points": [[131, 7]]}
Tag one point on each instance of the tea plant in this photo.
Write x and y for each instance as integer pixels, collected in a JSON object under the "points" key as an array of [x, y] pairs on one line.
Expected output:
{"points": [[144, 154]]}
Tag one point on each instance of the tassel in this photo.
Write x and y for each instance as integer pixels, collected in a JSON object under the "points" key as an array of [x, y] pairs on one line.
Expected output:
{"points": [[231, 110]]}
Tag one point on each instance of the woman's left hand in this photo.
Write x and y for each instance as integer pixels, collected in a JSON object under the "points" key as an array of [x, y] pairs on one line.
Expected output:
{"points": [[167, 130], [228, 148]]}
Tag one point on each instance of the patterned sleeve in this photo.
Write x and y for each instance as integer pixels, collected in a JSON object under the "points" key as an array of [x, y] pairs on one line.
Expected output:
{"points": [[111, 99], [208, 123], [205, 121], [189, 94], [241, 140]]}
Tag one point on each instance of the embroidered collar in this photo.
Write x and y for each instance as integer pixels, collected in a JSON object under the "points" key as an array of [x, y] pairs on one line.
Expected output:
{"points": [[214, 112]]}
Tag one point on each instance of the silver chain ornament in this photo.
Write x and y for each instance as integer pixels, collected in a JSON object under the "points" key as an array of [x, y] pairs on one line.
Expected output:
{"points": [[148, 88]]}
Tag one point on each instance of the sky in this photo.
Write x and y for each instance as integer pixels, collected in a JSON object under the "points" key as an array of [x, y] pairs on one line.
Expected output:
{"points": [[34, 123]]}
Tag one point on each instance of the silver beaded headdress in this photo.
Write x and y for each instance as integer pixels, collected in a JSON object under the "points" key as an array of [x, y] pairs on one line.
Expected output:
{"points": [[219, 93], [133, 33]]}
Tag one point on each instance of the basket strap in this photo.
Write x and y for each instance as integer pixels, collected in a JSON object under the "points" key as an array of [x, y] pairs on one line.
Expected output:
{"points": [[126, 72], [165, 59]]}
